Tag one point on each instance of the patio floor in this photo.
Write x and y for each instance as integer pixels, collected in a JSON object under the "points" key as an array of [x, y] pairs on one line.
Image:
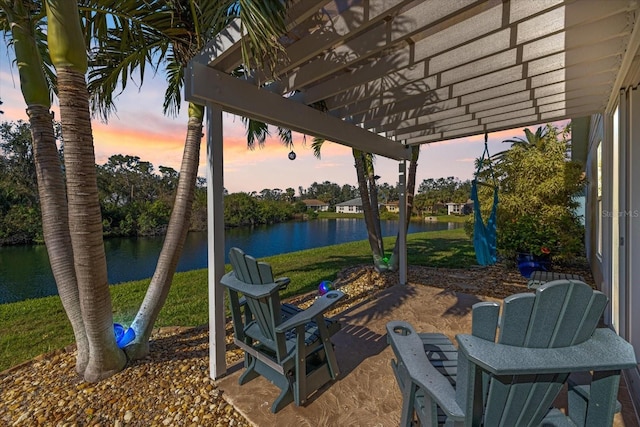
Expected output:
{"points": [[366, 393]]}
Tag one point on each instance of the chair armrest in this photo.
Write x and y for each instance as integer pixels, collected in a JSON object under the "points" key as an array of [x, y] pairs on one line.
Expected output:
{"points": [[283, 282], [604, 351], [409, 350], [320, 306], [255, 291]]}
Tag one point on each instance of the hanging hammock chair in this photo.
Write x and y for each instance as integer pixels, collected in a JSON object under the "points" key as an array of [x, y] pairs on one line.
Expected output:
{"points": [[484, 236]]}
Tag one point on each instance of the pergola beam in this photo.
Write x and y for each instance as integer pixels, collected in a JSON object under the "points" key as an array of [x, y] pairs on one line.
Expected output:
{"points": [[205, 84]]}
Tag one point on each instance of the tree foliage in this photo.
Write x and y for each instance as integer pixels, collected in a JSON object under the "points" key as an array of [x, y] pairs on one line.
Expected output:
{"points": [[329, 192], [135, 199], [538, 186], [434, 193], [19, 206]]}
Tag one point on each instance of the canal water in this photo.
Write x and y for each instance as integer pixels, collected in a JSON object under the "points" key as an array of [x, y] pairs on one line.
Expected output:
{"points": [[25, 272]]}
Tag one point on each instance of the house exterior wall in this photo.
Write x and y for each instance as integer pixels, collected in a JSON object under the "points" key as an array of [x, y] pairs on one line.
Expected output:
{"points": [[613, 218], [316, 205], [393, 208], [454, 208], [349, 209]]}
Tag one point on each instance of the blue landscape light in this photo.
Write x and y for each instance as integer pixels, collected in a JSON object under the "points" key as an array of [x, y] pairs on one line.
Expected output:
{"points": [[123, 337], [325, 286]]}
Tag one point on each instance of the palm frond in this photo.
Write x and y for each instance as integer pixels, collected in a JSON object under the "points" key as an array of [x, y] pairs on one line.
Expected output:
{"points": [[31, 14], [264, 24], [257, 132], [316, 146], [173, 93], [127, 36], [286, 137]]}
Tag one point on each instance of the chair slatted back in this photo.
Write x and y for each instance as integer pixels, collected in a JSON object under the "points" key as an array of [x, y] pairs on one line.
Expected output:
{"points": [[556, 316], [561, 313], [265, 311]]}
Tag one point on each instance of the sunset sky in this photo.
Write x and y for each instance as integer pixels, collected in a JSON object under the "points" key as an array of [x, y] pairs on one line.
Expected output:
{"points": [[140, 129]]}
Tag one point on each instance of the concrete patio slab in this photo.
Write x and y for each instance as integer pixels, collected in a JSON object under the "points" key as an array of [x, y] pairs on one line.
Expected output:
{"points": [[366, 394]]}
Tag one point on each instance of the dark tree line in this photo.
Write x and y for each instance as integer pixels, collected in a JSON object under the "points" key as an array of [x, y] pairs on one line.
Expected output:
{"points": [[136, 198], [433, 194], [19, 207]]}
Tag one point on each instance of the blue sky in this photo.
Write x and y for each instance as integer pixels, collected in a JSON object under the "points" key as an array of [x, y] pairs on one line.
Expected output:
{"points": [[140, 129]]}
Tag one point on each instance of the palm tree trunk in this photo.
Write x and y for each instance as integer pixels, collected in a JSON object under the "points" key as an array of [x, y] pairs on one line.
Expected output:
{"points": [[51, 189], [85, 225], [68, 54], [375, 238], [410, 193], [55, 225], [174, 241], [373, 199]]}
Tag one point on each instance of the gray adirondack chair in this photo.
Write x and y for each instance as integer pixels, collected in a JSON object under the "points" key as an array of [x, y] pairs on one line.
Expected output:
{"points": [[509, 371], [288, 346]]}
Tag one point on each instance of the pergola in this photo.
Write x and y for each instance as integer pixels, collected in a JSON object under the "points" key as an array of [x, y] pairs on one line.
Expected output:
{"points": [[383, 75]]}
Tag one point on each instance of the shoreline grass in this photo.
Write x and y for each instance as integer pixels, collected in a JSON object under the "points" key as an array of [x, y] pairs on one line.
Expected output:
{"points": [[32, 327]]}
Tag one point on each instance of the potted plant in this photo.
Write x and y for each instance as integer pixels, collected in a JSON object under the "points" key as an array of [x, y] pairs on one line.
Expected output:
{"points": [[530, 242]]}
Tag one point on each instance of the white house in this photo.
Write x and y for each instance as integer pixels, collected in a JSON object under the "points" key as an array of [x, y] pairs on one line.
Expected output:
{"points": [[394, 74], [454, 208], [459, 208], [350, 206]]}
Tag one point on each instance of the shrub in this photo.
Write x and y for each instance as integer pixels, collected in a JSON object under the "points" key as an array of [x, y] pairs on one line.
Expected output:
{"points": [[537, 208]]}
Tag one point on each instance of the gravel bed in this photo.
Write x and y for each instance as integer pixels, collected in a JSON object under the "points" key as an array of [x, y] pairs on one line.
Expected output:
{"points": [[172, 386]]}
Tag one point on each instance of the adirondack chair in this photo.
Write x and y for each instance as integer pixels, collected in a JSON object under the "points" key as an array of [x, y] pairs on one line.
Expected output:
{"points": [[288, 346], [511, 377]]}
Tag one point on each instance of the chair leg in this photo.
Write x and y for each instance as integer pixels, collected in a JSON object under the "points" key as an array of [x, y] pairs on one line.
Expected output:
{"points": [[300, 389], [330, 354], [250, 371], [286, 395], [408, 400]]}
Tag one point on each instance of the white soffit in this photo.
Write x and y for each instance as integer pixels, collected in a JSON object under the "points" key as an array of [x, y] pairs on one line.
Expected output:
{"points": [[424, 71]]}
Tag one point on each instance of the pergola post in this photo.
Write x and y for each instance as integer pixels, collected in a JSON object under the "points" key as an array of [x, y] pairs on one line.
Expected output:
{"points": [[215, 237], [402, 232]]}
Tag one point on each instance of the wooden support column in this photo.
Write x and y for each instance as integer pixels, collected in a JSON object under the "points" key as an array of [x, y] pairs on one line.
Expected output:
{"points": [[402, 234], [215, 237]]}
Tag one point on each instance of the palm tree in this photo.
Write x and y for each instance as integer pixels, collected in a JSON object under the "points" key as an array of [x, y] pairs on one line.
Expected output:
{"points": [[169, 34], [409, 193], [531, 141], [72, 225], [368, 192], [21, 20], [367, 186], [68, 55]]}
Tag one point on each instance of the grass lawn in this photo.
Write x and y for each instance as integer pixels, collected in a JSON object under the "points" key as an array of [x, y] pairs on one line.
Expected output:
{"points": [[32, 327], [452, 218]]}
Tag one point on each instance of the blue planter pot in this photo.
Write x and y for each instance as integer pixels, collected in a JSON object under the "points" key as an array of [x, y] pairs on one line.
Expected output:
{"points": [[528, 263]]}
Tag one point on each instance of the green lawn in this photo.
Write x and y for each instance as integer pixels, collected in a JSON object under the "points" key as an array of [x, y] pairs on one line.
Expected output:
{"points": [[452, 218], [32, 327]]}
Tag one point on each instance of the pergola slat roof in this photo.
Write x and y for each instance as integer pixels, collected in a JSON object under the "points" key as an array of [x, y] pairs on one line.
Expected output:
{"points": [[416, 72]]}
